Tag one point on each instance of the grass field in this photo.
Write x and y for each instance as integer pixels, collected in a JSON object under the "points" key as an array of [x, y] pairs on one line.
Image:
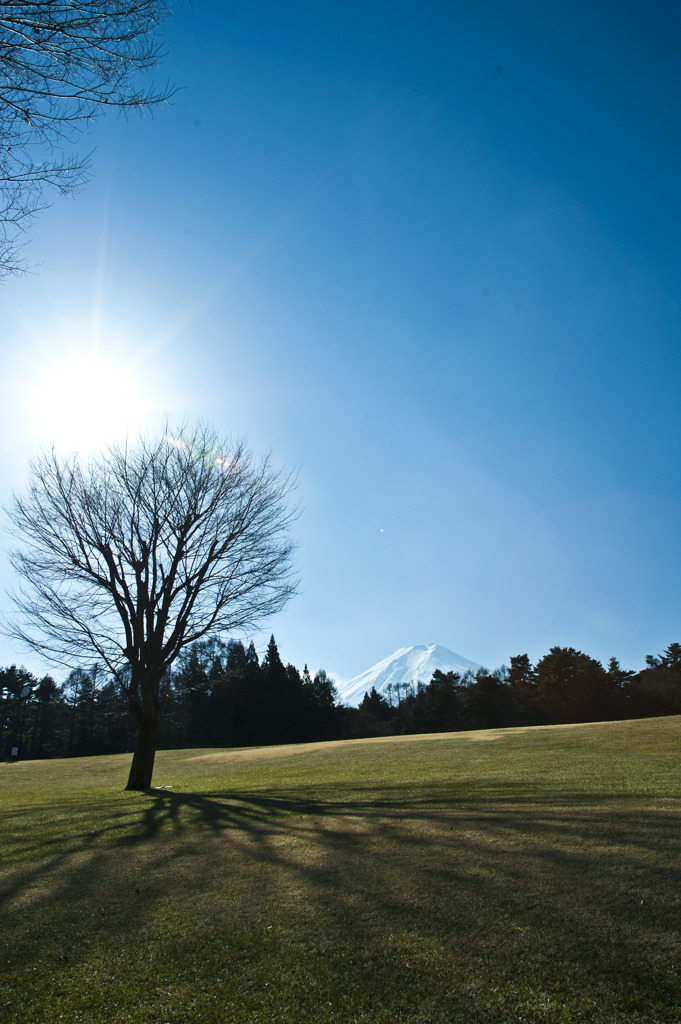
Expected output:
{"points": [[520, 875]]}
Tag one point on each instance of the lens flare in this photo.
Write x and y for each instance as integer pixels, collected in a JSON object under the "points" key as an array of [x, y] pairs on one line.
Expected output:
{"points": [[207, 457]]}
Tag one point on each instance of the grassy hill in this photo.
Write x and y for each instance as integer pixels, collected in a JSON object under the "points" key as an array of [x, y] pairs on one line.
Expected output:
{"points": [[520, 875]]}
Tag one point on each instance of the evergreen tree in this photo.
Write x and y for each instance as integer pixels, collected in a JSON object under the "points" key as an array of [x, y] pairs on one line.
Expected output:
{"points": [[85, 715], [71, 696], [281, 698], [572, 687], [48, 718], [324, 689], [320, 696], [671, 658], [657, 689], [190, 685], [17, 686], [224, 677], [521, 676], [619, 679], [443, 698], [115, 728], [374, 704], [246, 689], [491, 703], [374, 714]]}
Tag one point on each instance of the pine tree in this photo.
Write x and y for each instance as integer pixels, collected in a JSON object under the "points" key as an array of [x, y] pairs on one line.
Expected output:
{"points": [[276, 709], [521, 675], [572, 687], [672, 657]]}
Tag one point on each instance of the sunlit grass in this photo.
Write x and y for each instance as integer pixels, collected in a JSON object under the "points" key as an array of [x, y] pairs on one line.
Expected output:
{"points": [[520, 875]]}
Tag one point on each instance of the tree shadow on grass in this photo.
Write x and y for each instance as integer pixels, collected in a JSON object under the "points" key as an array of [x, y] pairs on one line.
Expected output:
{"points": [[588, 886], [567, 830]]}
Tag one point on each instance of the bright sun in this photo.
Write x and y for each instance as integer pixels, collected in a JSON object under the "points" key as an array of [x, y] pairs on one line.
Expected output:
{"points": [[80, 401]]}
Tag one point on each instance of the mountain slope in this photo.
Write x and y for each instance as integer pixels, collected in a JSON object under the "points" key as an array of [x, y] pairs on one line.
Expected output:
{"points": [[407, 665]]}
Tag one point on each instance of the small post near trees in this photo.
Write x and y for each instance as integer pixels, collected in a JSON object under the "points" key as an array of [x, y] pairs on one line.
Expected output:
{"points": [[145, 550]]}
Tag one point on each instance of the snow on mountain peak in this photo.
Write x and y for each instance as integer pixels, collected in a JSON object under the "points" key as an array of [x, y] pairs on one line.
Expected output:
{"points": [[407, 665]]}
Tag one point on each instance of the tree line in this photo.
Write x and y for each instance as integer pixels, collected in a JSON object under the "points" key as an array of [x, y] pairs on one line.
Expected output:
{"points": [[565, 686], [218, 695], [223, 695]]}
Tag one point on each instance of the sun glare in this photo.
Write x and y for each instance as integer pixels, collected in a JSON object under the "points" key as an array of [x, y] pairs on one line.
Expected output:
{"points": [[83, 400]]}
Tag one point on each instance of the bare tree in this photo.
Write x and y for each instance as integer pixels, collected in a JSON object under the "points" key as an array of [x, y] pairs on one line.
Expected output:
{"points": [[145, 550], [62, 63]]}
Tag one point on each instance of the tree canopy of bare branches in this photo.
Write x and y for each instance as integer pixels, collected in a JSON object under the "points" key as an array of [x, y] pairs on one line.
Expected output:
{"points": [[148, 548], [62, 63]]}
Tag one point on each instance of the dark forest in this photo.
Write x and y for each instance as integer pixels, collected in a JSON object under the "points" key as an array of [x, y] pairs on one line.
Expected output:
{"points": [[223, 695]]}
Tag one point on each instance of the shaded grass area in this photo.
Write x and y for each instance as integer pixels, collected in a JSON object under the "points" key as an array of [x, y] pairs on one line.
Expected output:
{"points": [[530, 875]]}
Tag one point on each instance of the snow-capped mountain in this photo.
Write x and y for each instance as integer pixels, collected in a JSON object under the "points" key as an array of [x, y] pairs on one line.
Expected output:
{"points": [[408, 665]]}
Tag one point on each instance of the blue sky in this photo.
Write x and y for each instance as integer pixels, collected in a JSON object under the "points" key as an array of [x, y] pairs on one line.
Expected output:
{"points": [[428, 255]]}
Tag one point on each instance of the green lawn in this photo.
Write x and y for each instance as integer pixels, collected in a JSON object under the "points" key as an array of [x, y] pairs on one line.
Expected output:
{"points": [[523, 875]]}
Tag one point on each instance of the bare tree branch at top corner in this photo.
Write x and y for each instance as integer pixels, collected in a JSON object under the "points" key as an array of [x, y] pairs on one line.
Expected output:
{"points": [[62, 64], [145, 550]]}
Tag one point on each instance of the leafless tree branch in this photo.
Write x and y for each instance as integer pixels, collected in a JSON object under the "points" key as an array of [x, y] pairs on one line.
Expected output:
{"points": [[62, 63]]}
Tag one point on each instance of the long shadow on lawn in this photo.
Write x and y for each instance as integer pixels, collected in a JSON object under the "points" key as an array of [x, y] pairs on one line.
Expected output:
{"points": [[566, 884], [615, 856], [590, 882]]}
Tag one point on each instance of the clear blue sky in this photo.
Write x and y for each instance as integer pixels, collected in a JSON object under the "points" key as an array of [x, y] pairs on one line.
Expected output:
{"points": [[428, 254]]}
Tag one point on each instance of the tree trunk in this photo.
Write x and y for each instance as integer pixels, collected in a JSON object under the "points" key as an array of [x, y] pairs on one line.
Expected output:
{"points": [[142, 767]]}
